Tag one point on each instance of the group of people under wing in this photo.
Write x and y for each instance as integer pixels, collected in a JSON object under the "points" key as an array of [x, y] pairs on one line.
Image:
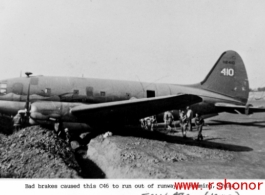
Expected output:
{"points": [[185, 121]]}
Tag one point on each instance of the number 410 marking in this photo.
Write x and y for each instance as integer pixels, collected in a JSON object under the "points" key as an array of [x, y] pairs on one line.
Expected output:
{"points": [[228, 72]]}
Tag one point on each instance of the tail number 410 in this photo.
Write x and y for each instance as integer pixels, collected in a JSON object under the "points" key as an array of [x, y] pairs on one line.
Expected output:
{"points": [[228, 72]]}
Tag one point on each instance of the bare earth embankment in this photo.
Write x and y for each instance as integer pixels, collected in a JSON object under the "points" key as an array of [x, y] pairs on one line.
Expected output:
{"points": [[233, 147], [35, 152]]}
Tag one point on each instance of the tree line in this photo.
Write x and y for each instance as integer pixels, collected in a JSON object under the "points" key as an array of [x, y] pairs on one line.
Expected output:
{"points": [[258, 89]]}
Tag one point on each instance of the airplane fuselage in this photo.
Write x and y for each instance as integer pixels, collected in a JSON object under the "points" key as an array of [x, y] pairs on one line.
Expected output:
{"points": [[90, 91], [89, 100]]}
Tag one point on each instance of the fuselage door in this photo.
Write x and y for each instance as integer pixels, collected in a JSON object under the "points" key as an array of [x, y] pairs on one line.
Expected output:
{"points": [[150, 93], [89, 94]]}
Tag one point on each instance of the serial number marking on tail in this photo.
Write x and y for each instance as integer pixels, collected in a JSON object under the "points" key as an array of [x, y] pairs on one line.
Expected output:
{"points": [[229, 62], [228, 72]]}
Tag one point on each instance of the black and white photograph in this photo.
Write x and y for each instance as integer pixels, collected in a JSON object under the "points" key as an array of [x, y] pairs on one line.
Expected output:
{"points": [[143, 89]]}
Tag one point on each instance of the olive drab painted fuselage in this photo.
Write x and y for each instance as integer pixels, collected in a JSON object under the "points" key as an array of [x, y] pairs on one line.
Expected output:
{"points": [[55, 97]]}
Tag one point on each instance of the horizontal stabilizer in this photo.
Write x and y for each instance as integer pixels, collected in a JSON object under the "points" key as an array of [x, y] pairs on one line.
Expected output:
{"points": [[237, 109]]}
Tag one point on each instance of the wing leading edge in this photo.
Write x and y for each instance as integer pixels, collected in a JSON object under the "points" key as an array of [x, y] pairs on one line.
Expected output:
{"points": [[130, 110]]}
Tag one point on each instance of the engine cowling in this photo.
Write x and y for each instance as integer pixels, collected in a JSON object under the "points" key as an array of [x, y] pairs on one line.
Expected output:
{"points": [[50, 112]]}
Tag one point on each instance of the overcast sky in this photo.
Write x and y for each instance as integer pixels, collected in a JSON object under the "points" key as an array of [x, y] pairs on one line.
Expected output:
{"points": [[171, 41]]}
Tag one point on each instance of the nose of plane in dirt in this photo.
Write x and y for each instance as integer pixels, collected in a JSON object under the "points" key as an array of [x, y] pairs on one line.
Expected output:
{"points": [[11, 107], [3, 87]]}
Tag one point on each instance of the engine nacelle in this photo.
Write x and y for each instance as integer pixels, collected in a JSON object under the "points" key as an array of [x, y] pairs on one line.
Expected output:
{"points": [[50, 112]]}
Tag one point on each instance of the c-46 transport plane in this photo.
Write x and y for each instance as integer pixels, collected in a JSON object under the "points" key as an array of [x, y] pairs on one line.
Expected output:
{"points": [[102, 102]]}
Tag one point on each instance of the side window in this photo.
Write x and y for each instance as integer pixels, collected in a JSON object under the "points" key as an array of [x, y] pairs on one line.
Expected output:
{"points": [[47, 91], [89, 91], [3, 87], [75, 92], [128, 95]]}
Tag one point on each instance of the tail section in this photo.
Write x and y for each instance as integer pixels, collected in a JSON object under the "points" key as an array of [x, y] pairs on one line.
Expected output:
{"points": [[228, 77]]}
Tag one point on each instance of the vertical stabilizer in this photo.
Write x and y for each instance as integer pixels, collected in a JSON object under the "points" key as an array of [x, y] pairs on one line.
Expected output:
{"points": [[228, 77]]}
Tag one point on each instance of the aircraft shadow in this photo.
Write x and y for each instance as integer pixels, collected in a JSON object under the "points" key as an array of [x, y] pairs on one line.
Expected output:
{"points": [[252, 123], [207, 143]]}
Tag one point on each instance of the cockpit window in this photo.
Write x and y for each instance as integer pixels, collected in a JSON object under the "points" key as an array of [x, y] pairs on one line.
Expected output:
{"points": [[3, 87], [2, 91], [76, 92]]}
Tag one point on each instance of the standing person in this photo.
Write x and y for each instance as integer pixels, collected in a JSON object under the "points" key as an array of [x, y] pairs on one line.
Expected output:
{"points": [[153, 122], [146, 123], [60, 129], [17, 121], [23, 120], [183, 123], [168, 119], [142, 122], [189, 118], [67, 135], [199, 122]]}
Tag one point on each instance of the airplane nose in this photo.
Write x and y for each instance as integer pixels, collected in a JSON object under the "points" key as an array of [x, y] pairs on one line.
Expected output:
{"points": [[3, 88], [11, 107]]}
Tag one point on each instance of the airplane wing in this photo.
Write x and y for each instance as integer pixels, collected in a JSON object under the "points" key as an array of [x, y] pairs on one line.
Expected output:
{"points": [[131, 110], [239, 109]]}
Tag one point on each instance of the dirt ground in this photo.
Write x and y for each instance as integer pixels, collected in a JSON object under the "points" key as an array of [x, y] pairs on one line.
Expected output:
{"points": [[233, 148], [36, 152]]}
